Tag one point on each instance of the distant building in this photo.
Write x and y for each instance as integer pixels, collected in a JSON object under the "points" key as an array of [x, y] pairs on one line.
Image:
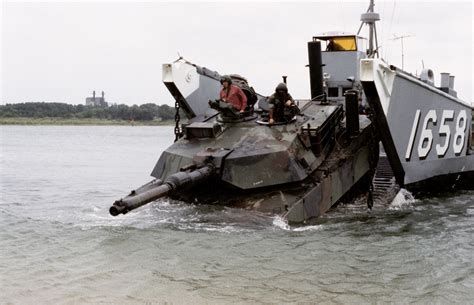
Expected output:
{"points": [[96, 101]]}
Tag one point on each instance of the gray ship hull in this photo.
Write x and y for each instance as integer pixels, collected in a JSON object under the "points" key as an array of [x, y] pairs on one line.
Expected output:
{"points": [[426, 132]]}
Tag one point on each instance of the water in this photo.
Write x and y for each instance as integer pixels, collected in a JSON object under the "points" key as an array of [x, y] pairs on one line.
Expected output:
{"points": [[58, 245]]}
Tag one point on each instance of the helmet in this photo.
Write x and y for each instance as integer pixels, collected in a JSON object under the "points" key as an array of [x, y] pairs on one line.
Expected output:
{"points": [[226, 78], [281, 88]]}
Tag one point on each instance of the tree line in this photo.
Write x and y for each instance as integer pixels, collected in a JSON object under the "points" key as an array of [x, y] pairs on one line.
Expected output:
{"points": [[145, 112]]}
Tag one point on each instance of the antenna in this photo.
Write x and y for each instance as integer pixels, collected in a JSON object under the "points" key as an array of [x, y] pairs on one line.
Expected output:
{"points": [[369, 18], [401, 38]]}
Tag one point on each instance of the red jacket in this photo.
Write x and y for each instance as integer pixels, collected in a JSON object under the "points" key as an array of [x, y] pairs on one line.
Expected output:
{"points": [[234, 96]]}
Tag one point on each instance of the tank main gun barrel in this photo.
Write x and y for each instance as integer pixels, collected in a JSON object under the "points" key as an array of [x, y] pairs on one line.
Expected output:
{"points": [[157, 189]]}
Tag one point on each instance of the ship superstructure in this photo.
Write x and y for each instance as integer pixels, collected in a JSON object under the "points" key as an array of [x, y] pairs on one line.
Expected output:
{"points": [[426, 130]]}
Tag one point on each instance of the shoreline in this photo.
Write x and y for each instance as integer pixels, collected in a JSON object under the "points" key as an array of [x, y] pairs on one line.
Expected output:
{"points": [[85, 122]]}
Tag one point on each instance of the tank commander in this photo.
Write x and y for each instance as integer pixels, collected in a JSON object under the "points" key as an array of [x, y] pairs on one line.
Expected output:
{"points": [[232, 94], [282, 107]]}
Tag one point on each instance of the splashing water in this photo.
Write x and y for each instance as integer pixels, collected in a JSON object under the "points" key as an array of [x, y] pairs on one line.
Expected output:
{"points": [[283, 225], [403, 199]]}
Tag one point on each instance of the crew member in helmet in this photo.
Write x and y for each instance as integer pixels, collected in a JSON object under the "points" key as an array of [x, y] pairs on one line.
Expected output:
{"points": [[280, 101], [232, 94]]}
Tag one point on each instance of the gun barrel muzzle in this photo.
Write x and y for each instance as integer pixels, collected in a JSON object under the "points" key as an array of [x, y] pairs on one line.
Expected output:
{"points": [[157, 188]]}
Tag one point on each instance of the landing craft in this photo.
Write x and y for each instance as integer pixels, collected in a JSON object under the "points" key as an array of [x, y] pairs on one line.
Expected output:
{"points": [[327, 152], [426, 131]]}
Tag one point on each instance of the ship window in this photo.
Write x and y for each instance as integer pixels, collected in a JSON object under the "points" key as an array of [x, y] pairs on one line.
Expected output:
{"points": [[333, 91], [361, 44], [342, 44]]}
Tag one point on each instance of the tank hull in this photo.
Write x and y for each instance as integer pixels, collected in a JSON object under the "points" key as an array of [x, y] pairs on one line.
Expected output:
{"points": [[344, 169]]}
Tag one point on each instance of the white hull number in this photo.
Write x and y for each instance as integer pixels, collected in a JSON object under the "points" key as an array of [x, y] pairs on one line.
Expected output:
{"points": [[425, 142]]}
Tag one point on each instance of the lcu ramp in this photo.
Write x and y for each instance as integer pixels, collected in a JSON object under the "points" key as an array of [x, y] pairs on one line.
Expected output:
{"points": [[385, 186]]}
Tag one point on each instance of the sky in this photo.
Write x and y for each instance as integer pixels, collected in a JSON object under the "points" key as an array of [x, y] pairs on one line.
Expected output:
{"points": [[62, 51]]}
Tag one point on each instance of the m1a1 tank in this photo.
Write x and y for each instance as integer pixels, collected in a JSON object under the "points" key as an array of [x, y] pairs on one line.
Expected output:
{"points": [[297, 168]]}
